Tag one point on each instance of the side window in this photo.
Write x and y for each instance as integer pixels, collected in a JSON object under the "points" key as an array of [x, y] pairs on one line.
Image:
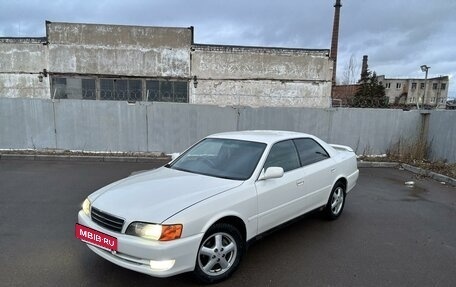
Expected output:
{"points": [[310, 151], [284, 155]]}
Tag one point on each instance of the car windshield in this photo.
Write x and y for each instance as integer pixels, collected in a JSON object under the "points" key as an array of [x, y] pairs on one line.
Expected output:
{"points": [[225, 158]]}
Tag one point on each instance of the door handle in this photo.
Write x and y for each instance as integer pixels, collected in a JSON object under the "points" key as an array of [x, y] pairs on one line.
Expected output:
{"points": [[300, 182], [333, 169]]}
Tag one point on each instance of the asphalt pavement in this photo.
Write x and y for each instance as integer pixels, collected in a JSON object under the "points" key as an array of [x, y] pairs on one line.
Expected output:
{"points": [[388, 235]]}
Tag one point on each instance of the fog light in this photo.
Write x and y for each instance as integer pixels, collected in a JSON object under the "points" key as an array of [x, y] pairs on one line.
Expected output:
{"points": [[162, 265]]}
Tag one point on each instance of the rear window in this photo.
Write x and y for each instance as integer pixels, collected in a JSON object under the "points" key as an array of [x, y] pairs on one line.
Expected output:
{"points": [[310, 151]]}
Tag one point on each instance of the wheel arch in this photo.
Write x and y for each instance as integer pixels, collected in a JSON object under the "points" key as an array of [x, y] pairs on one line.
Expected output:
{"points": [[233, 220], [343, 181]]}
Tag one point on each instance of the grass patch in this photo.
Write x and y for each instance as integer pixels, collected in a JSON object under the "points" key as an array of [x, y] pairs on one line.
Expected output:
{"points": [[416, 154]]}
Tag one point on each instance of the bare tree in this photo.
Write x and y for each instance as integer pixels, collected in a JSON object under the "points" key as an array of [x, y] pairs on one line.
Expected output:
{"points": [[351, 71]]}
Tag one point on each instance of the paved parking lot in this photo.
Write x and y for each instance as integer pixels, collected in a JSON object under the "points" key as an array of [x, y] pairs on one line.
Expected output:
{"points": [[389, 234]]}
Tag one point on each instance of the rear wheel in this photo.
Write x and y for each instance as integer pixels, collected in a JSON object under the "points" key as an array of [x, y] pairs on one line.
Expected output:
{"points": [[336, 202], [219, 254]]}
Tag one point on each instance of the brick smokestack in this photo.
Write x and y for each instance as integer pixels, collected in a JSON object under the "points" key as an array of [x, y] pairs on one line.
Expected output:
{"points": [[364, 67], [335, 39]]}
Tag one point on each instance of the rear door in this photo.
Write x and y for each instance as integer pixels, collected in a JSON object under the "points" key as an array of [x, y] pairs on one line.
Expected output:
{"points": [[319, 170]]}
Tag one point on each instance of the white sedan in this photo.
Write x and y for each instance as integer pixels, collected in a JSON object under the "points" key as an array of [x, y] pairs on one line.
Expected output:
{"points": [[198, 212]]}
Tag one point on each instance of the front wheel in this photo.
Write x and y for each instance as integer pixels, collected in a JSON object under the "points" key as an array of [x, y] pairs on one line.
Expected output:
{"points": [[219, 254], [336, 202]]}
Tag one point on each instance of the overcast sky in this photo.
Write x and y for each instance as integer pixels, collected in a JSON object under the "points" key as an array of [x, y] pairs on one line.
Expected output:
{"points": [[397, 35]]}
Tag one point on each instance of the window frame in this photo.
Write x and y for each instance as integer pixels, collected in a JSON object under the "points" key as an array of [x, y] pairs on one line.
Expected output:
{"points": [[63, 80], [121, 90], [118, 88], [328, 156], [269, 153], [297, 153], [173, 88], [85, 91]]}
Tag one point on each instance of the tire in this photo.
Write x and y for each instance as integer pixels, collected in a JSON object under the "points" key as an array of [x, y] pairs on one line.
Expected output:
{"points": [[219, 254], [336, 202]]}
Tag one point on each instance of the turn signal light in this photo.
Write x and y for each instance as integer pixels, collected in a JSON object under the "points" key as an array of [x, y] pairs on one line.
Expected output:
{"points": [[171, 232]]}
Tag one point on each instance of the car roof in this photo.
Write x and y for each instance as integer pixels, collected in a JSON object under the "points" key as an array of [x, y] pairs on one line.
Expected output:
{"points": [[264, 136]]}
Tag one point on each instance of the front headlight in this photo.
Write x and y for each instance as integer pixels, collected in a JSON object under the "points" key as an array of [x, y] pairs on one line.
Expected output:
{"points": [[155, 231], [86, 206]]}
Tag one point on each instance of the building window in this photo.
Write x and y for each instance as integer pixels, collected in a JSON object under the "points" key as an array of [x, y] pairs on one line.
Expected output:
{"points": [[89, 91], [167, 91], [106, 89], [388, 85], [398, 85], [422, 86], [58, 88], [443, 86], [434, 86], [135, 90], [120, 90], [73, 88], [413, 86]]}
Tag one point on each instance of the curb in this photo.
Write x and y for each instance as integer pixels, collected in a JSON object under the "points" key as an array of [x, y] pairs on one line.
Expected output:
{"points": [[416, 170], [377, 164], [436, 176]]}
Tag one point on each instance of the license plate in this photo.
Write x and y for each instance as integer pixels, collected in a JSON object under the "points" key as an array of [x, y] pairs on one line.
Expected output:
{"points": [[96, 238]]}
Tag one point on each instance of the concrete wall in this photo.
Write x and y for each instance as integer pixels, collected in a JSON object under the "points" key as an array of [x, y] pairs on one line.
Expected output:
{"points": [[224, 75], [442, 135], [165, 127], [232, 62], [261, 93], [100, 126], [119, 50], [26, 124], [16, 85], [231, 75], [367, 131], [174, 127], [21, 61], [374, 131]]}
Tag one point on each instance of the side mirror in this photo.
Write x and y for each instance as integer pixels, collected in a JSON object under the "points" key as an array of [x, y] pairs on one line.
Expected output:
{"points": [[271, 172]]}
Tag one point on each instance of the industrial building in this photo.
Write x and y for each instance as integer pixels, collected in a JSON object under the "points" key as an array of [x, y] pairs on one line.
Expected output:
{"points": [[133, 63], [427, 93], [430, 93]]}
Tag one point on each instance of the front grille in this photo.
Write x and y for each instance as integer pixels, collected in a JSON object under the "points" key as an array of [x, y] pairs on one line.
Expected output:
{"points": [[106, 220]]}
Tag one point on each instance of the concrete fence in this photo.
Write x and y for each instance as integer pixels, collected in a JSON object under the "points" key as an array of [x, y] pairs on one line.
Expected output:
{"points": [[168, 127], [441, 135]]}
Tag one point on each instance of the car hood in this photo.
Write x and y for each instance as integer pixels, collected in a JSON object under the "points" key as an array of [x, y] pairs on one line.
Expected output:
{"points": [[156, 195]]}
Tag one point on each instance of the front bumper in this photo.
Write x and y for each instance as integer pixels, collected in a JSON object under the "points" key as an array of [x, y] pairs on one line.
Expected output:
{"points": [[135, 253]]}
